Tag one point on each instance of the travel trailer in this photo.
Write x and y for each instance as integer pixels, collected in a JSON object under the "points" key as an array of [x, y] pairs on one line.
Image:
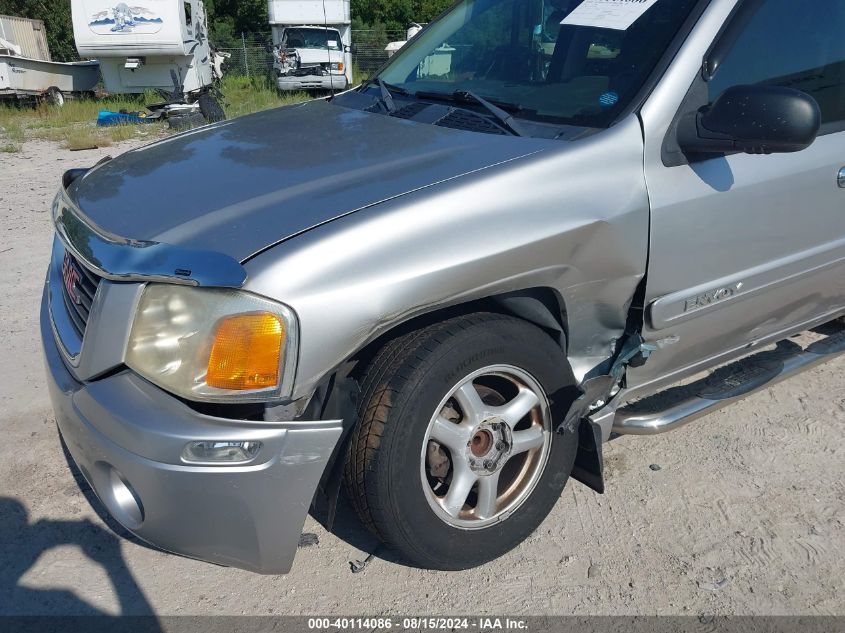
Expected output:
{"points": [[392, 47], [154, 44], [312, 44], [27, 70]]}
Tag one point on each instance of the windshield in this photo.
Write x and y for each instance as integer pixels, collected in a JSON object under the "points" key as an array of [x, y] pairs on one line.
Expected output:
{"points": [[312, 38], [518, 53]]}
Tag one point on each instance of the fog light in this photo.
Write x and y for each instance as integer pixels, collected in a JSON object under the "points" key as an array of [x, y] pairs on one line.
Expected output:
{"points": [[228, 452], [122, 501]]}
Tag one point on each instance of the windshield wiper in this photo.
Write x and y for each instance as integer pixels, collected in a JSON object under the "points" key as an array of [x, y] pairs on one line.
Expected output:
{"points": [[506, 119], [386, 97], [386, 89], [503, 117]]}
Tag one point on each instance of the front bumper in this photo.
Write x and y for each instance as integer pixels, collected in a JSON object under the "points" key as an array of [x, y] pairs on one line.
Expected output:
{"points": [[312, 82], [126, 436]]}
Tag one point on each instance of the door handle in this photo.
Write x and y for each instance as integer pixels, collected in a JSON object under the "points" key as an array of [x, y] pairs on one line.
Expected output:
{"points": [[841, 178]]}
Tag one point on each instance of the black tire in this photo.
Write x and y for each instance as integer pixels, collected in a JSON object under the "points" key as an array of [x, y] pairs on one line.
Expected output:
{"points": [[400, 390], [211, 108], [54, 97], [185, 121]]}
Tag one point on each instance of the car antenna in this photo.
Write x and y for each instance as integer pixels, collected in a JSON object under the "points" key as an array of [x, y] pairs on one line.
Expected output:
{"points": [[328, 50]]}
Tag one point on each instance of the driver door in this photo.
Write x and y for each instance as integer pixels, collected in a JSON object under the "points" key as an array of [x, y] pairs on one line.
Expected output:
{"points": [[746, 249]]}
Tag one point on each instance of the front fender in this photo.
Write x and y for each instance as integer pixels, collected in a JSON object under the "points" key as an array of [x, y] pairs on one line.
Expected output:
{"points": [[574, 220]]}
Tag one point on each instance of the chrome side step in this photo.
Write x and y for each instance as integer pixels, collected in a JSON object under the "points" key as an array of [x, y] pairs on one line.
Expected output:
{"points": [[677, 406]]}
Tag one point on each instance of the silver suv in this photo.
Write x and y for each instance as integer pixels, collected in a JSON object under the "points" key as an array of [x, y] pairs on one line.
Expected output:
{"points": [[448, 287]]}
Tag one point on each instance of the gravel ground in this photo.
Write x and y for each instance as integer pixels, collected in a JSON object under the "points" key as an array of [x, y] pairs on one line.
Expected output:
{"points": [[743, 516]]}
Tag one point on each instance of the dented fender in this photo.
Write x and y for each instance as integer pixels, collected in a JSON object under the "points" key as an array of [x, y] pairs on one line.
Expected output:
{"points": [[572, 218]]}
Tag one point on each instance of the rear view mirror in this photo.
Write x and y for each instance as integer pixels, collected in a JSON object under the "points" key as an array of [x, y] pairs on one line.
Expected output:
{"points": [[753, 120]]}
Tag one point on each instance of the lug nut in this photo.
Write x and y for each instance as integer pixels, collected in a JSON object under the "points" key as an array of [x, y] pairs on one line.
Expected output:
{"points": [[488, 464], [500, 445]]}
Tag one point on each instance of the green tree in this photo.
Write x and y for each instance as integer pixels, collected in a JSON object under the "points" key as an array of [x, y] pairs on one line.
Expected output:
{"points": [[430, 9], [230, 18], [396, 14]]}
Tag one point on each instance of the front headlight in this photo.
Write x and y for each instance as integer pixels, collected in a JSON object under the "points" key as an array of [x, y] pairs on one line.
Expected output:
{"points": [[213, 344], [337, 66]]}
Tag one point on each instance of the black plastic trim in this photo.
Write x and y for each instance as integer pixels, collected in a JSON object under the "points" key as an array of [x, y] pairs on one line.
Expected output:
{"points": [[589, 461], [697, 96], [654, 78]]}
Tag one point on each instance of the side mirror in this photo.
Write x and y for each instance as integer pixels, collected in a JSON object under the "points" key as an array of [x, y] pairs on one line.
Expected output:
{"points": [[753, 120]]}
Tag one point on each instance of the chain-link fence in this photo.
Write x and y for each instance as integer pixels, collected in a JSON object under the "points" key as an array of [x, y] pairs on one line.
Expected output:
{"points": [[368, 49], [253, 57]]}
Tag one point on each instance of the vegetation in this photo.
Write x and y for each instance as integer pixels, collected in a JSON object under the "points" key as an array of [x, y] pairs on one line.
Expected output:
{"points": [[74, 125], [243, 95], [394, 15], [231, 18]]}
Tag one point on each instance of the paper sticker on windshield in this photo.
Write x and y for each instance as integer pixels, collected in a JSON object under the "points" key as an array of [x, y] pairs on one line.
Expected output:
{"points": [[608, 14], [332, 43]]}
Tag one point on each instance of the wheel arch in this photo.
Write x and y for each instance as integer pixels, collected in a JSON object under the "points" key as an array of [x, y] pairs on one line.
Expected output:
{"points": [[542, 306]]}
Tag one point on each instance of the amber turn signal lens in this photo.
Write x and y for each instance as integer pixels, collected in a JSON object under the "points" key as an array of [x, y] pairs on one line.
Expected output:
{"points": [[246, 352]]}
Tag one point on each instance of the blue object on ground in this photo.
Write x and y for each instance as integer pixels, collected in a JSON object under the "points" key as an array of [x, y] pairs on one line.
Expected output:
{"points": [[106, 118]]}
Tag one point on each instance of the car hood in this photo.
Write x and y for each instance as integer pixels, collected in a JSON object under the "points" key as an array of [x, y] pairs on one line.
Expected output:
{"points": [[318, 55], [242, 185]]}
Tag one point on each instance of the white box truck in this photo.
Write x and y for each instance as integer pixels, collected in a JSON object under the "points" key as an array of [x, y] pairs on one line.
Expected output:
{"points": [[312, 42]]}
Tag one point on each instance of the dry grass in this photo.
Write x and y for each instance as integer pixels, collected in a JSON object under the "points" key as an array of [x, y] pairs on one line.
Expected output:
{"points": [[119, 133], [74, 125], [74, 112], [14, 132], [12, 136], [244, 95]]}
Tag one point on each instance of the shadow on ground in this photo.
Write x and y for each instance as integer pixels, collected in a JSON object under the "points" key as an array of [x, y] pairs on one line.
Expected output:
{"points": [[23, 543], [348, 528]]}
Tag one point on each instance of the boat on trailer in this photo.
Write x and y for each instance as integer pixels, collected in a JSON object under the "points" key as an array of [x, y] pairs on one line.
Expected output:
{"points": [[27, 71]]}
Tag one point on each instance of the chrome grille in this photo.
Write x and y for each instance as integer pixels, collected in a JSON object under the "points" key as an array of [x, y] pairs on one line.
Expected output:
{"points": [[79, 285]]}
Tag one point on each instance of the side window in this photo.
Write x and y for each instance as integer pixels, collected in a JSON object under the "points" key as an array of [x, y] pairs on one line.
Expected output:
{"points": [[791, 43]]}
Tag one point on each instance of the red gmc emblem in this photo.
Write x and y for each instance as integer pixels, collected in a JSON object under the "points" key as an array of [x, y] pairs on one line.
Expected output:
{"points": [[70, 274]]}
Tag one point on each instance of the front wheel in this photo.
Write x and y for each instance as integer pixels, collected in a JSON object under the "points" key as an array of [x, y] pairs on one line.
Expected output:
{"points": [[454, 460]]}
